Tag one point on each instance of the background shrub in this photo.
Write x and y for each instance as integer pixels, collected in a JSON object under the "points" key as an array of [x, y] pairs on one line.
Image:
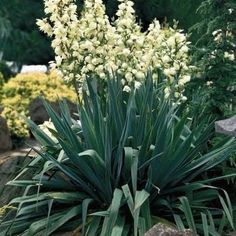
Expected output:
{"points": [[18, 92], [5, 71], [21, 40], [215, 56]]}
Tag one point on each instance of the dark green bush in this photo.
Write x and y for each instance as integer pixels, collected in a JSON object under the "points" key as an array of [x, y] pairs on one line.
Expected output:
{"points": [[215, 57], [22, 42], [5, 71]]}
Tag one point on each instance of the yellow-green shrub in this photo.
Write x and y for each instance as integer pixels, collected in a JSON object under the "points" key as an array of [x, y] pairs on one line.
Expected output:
{"points": [[18, 92]]}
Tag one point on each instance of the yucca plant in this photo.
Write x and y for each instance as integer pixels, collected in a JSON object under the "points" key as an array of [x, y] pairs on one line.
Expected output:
{"points": [[126, 164]]}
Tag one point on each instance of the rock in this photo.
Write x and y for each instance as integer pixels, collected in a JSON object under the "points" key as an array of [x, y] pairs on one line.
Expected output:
{"points": [[34, 68], [5, 138], [11, 163], [227, 126], [38, 113], [165, 230], [8, 167]]}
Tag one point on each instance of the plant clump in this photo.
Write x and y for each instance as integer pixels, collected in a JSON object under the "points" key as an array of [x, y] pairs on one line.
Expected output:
{"points": [[128, 164]]}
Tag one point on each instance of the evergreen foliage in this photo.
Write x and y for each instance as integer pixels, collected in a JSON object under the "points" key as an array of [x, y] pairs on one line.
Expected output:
{"points": [[20, 38], [215, 56]]}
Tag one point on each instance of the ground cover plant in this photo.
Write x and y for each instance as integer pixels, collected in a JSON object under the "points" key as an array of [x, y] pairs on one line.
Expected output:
{"points": [[128, 163]]}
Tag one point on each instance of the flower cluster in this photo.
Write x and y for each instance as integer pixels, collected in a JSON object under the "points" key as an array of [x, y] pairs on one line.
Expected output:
{"points": [[92, 45]]}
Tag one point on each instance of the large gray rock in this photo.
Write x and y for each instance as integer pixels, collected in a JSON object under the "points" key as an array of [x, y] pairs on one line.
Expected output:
{"points": [[5, 138], [165, 230], [8, 168], [38, 113], [227, 126], [11, 163]]}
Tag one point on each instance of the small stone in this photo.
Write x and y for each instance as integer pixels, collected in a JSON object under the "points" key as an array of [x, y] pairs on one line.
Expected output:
{"points": [[227, 126], [166, 230], [38, 113], [5, 137]]}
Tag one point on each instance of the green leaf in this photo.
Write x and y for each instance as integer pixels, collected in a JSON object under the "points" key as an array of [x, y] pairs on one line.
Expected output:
{"points": [[227, 210], [85, 205], [118, 229], [188, 213], [179, 222], [128, 197], [93, 226], [205, 224], [110, 220]]}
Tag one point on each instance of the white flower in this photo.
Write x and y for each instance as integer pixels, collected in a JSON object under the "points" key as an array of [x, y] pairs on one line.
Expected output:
{"points": [[230, 11], [126, 51], [209, 83], [186, 78], [167, 91], [184, 49], [127, 89], [166, 59], [122, 6], [170, 71], [58, 60], [171, 42], [128, 77], [137, 84], [179, 37], [102, 75], [177, 94], [214, 33], [154, 76], [46, 127], [229, 56], [140, 75]]}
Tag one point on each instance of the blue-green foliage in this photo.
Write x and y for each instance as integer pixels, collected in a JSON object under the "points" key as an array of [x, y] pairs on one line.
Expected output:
{"points": [[129, 163]]}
